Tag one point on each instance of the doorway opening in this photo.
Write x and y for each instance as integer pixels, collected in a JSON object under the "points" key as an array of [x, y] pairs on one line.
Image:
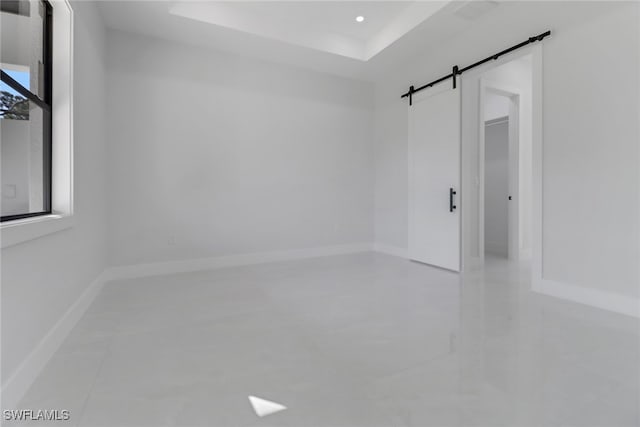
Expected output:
{"points": [[501, 162], [506, 159]]}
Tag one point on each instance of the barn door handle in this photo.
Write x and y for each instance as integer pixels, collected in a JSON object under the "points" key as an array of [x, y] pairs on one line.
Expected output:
{"points": [[452, 193]]}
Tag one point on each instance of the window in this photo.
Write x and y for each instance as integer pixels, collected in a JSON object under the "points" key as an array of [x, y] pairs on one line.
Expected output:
{"points": [[25, 108]]}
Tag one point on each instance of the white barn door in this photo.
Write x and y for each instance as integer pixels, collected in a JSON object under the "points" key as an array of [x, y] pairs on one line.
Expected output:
{"points": [[434, 177]]}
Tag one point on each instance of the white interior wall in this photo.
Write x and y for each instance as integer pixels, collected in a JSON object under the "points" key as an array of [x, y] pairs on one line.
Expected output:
{"points": [[586, 243], [211, 154], [591, 208], [496, 173], [42, 278]]}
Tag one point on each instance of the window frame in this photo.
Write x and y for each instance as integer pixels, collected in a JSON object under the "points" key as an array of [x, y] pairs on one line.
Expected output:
{"points": [[46, 106]]}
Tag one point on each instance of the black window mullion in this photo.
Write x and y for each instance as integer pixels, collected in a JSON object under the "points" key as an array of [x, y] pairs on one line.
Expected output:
{"points": [[23, 216], [9, 81], [47, 125]]}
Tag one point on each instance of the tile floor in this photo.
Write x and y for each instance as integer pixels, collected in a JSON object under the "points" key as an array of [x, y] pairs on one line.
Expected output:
{"points": [[357, 340]]}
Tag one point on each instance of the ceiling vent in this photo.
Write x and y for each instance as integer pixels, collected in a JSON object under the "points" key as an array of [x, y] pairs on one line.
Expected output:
{"points": [[471, 10]]}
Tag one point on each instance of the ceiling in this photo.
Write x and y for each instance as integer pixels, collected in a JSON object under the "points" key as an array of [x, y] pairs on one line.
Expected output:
{"points": [[328, 26], [321, 35]]}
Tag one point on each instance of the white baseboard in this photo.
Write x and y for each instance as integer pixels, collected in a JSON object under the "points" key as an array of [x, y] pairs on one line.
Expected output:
{"points": [[596, 298], [189, 265], [19, 382], [391, 250]]}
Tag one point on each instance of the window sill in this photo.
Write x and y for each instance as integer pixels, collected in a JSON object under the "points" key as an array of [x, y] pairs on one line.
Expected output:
{"points": [[22, 230]]}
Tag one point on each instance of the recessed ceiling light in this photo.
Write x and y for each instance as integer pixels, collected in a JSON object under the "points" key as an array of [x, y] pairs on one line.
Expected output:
{"points": [[359, 18]]}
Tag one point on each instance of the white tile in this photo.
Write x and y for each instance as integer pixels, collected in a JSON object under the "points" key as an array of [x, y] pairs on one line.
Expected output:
{"points": [[357, 340]]}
